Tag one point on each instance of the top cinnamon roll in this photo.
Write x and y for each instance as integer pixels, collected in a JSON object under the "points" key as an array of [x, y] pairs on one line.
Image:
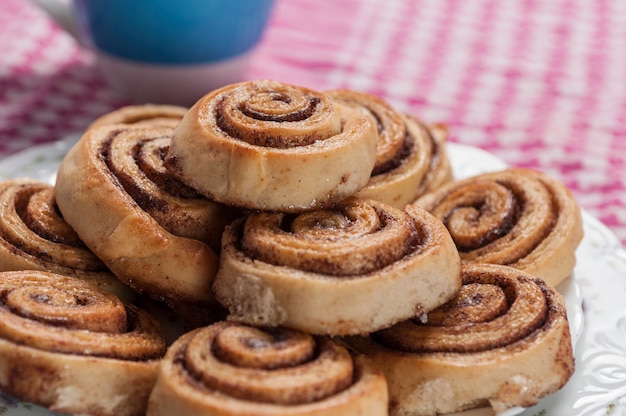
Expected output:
{"points": [[271, 146], [516, 217], [143, 114], [411, 158]]}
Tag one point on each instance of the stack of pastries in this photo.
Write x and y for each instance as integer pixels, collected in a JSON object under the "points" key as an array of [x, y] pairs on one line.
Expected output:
{"points": [[318, 255]]}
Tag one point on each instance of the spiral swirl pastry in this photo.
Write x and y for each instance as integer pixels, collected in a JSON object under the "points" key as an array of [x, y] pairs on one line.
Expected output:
{"points": [[516, 217], [271, 146], [153, 232], [504, 341], [411, 158], [34, 236], [69, 346], [147, 115], [359, 267], [229, 369]]}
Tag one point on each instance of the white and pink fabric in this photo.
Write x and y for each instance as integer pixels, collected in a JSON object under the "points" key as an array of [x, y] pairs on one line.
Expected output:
{"points": [[539, 84]]}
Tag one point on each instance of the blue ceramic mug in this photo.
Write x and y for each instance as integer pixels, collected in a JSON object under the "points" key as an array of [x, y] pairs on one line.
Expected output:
{"points": [[169, 51]]}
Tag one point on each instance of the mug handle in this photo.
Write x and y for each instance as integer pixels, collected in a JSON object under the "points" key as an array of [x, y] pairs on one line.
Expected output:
{"points": [[61, 12]]}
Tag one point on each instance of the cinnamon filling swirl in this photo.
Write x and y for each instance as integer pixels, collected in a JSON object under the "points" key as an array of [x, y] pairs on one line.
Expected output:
{"points": [[73, 348], [36, 236], [410, 157], [36, 227], [516, 217], [482, 213], [355, 239], [275, 107], [230, 369], [431, 140], [263, 145], [38, 209], [502, 342], [490, 311], [393, 140], [333, 271], [66, 315], [135, 158], [293, 369], [160, 242], [137, 162]]}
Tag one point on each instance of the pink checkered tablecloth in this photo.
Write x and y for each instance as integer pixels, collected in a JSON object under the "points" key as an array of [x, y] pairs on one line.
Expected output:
{"points": [[540, 84]]}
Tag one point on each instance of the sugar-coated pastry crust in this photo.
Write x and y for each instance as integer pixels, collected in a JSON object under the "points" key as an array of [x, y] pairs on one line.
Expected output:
{"points": [[73, 348], [518, 217], [503, 342], [152, 231], [229, 369], [147, 115], [353, 269], [272, 146], [34, 236], [411, 157]]}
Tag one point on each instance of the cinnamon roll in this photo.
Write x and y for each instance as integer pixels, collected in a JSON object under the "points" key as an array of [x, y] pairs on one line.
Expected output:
{"points": [[147, 115], [503, 342], [229, 369], [154, 233], [271, 146], [411, 158], [73, 348], [517, 217], [359, 267], [34, 236]]}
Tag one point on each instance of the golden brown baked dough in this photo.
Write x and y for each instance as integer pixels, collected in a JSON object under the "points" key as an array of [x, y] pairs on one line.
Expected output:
{"points": [[517, 217], [152, 231], [434, 138], [147, 115], [68, 346], [411, 158], [359, 267], [228, 369], [272, 146], [34, 236], [504, 342]]}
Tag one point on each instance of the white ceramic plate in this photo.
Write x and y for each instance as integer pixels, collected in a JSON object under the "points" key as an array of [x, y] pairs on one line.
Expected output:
{"points": [[597, 287]]}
